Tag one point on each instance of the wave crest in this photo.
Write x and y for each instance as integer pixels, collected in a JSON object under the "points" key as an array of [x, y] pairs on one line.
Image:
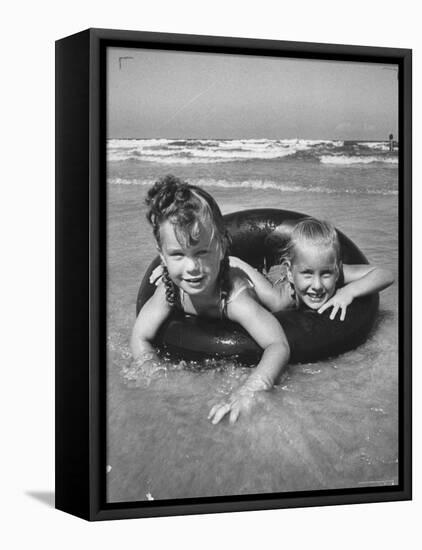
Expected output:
{"points": [[261, 185], [350, 160], [210, 151]]}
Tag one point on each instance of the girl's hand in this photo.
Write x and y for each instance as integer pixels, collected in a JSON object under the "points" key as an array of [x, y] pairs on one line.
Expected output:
{"points": [[142, 368], [156, 275], [341, 299], [240, 401]]}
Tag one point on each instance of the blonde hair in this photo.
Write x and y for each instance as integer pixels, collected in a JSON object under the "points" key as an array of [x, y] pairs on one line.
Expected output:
{"points": [[311, 231]]}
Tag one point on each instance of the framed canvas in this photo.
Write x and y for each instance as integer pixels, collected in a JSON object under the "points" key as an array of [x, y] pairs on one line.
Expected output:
{"points": [[189, 171]]}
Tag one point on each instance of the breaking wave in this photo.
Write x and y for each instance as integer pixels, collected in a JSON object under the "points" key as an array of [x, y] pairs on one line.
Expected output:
{"points": [[210, 151], [261, 185]]}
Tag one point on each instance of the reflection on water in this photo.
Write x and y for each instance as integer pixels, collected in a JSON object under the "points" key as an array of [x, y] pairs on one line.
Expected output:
{"points": [[327, 425]]}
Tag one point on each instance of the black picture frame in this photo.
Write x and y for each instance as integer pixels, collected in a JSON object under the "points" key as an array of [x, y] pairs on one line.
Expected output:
{"points": [[81, 273]]}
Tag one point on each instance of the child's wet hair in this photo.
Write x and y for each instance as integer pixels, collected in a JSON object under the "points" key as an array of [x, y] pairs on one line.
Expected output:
{"points": [[310, 231], [188, 208]]}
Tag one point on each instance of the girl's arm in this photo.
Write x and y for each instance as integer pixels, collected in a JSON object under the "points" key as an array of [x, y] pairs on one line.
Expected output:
{"points": [[269, 296], [360, 280], [367, 279], [267, 332], [152, 315]]}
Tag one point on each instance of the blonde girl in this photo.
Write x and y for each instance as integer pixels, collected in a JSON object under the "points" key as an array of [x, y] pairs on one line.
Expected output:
{"points": [[311, 273]]}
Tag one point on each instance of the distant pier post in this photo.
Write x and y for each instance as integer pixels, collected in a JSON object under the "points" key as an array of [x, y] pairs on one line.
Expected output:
{"points": [[391, 139]]}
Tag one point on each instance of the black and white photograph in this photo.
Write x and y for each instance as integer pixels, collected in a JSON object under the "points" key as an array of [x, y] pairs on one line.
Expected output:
{"points": [[252, 253], [191, 191]]}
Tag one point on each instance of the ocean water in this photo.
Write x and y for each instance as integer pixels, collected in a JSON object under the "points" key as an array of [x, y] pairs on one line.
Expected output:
{"points": [[328, 425]]}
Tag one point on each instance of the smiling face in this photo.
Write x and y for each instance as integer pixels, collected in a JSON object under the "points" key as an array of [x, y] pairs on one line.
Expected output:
{"points": [[314, 272], [194, 268]]}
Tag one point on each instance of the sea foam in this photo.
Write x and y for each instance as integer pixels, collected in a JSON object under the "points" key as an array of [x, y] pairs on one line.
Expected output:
{"points": [[211, 151], [261, 185], [350, 160]]}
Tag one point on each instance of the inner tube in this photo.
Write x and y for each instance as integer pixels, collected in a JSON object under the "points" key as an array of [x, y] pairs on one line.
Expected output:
{"points": [[311, 336]]}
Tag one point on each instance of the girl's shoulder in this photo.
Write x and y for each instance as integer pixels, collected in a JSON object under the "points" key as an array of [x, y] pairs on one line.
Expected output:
{"points": [[239, 282]]}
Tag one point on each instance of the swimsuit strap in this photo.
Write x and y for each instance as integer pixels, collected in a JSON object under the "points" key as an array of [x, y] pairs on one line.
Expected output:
{"points": [[182, 299], [224, 301], [222, 304], [246, 285]]}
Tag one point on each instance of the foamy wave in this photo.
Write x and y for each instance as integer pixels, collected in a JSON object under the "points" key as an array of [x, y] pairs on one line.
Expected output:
{"points": [[259, 185], [349, 160], [210, 151], [182, 160], [192, 151], [133, 143], [378, 145]]}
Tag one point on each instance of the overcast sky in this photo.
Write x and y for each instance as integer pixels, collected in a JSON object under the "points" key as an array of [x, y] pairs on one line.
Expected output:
{"points": [[157, 93]]}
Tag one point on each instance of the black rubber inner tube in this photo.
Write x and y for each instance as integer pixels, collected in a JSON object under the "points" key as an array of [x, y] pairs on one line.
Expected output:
{"points": [[311, 336]]}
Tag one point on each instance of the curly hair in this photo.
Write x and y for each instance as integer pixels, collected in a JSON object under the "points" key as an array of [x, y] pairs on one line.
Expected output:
{"points": [[188, 208]]}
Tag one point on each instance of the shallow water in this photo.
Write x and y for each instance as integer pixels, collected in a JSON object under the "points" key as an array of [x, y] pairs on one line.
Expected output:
{"points": [[330, 424]]}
